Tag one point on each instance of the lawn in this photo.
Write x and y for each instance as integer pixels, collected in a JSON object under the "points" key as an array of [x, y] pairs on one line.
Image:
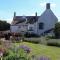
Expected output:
{"points": [[41, 50]]}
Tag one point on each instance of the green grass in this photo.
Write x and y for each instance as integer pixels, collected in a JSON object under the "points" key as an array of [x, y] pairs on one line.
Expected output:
{"points": [[39, 50]]}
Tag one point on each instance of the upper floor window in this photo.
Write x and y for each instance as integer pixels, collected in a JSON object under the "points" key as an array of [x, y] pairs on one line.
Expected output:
{"points": [[41, 25]]}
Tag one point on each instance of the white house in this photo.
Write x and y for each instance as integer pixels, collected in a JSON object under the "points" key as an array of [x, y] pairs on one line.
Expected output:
{"points": [[47, 20], [35, 24]]}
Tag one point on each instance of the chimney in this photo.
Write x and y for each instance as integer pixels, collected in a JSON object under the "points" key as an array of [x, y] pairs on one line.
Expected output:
{"points": [[48, 6], [14, 14], [36, 14]]}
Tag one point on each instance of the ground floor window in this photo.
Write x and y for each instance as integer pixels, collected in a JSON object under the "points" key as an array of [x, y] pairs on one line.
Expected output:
{"points": [[30, 29]]}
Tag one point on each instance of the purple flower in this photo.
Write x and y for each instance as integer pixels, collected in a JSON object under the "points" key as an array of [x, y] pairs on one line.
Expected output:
{"points": [[43, 58], [26, 48]]}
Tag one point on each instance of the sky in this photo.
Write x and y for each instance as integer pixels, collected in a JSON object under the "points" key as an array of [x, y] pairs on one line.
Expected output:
{"points": [[26, 7]]}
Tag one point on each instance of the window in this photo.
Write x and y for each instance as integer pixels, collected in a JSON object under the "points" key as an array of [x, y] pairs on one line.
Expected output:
{"points": [[30, 28], [41, 25]]}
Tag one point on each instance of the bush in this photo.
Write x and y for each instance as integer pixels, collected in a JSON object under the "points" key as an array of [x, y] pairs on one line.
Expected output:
{"points": [[30, 35], [0, 42], [52, 43], [50, 37], [6, 53], [57, 30], [16, 55], [31, 41]]}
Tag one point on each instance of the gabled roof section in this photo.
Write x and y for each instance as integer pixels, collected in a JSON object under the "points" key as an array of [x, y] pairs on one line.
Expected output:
{"points": [[27, 19], [48, 14]]}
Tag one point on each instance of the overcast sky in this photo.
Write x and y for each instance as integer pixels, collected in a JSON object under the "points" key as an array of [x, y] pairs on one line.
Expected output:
{"points": [[26, 7]]}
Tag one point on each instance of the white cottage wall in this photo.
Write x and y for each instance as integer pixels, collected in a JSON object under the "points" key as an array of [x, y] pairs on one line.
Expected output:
{"points": [[14, 29], [49, 20], [34, 26]]}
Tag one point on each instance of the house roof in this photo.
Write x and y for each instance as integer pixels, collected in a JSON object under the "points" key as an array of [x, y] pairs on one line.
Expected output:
{"points": [[27, 19], [48, 14], [33, 19]]}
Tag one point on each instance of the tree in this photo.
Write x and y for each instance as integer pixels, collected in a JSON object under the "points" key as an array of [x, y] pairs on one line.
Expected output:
{"points": [[57, 30], [4, 25]]}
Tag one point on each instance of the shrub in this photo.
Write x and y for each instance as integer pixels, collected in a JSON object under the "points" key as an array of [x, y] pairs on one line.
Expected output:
{"points": [[31, 41], [43, 58], [0, 42], [50, 37], [26, 48], [30, 35], [10, 57], [53, 43], [18, 53], [57, 30], [6, 53]]}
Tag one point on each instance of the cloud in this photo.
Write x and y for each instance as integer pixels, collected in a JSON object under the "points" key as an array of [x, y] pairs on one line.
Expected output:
{"points": [[6, 16], [53, 5], [43, 4]]}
